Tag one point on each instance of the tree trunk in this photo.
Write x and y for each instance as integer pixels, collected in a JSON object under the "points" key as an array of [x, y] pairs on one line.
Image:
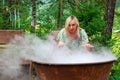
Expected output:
{"points": [[8, 16], [108, 17], [33, 15], [60, 14], [77, 3]]}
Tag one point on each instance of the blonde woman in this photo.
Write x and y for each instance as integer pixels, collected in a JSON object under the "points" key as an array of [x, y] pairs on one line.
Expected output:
{"points": [[73, 35]]}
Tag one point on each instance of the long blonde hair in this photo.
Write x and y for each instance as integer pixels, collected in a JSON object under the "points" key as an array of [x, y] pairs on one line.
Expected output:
{"points": [[68, 20]]}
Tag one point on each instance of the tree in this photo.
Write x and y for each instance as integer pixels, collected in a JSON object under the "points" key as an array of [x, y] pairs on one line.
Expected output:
{"points": [[33, 14], [108, 17], [77, 4], [60, 13]]}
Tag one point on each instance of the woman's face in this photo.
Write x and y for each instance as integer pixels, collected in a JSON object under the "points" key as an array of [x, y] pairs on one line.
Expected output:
{"points": [[72, 27]]}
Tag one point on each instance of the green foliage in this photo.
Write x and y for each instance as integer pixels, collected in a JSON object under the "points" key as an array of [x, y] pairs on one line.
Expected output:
{"points": [[117, 3], [8, 21], [116, 25], [46, 18], [116, 77], [43, 30], [96, 40], [114, 44], [4, 17], [40, 30], [47, 14], [90, 16]]}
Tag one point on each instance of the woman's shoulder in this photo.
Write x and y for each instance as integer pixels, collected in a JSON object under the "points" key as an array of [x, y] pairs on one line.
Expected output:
{"points": [[62, 30], [81, 30], [61, 35]]}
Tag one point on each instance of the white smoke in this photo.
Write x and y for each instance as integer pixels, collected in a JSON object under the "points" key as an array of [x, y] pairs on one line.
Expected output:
{"points": [[33, 48]]}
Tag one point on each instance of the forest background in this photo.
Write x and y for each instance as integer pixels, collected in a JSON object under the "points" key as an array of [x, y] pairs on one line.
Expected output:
{"points": [[100, 19]]}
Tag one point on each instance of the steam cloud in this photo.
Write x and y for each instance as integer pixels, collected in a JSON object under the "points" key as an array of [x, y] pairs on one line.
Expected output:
{"points": [[44, 51]]}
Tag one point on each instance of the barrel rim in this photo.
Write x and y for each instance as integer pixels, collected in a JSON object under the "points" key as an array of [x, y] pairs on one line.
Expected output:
{"points": [[87, 63]]}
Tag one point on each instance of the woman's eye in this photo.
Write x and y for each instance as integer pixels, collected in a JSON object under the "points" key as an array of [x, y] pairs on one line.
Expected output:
{"points": [[71, 25]]}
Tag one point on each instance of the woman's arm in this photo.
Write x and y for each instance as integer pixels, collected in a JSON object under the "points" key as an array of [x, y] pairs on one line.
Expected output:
{"points": [[85, 41], [60, 38]]}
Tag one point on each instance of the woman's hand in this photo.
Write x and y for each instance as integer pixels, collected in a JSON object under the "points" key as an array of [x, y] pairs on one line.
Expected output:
{"points": [[88, 46], [61, 44]]}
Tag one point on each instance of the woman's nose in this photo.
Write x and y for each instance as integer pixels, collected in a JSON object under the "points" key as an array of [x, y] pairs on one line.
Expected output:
{"points": [[71, 27]]}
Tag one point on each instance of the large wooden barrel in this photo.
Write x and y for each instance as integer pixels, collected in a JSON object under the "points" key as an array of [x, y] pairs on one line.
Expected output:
{"points": [[84, 71], [7, 35]]}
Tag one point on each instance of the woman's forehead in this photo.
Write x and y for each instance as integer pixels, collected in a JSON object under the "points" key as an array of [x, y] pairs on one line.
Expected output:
{"points": [[72, 21]]}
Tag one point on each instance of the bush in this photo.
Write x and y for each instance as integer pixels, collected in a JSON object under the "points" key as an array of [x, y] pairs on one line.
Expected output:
{"points": [[90, 16], [114, 44]]}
